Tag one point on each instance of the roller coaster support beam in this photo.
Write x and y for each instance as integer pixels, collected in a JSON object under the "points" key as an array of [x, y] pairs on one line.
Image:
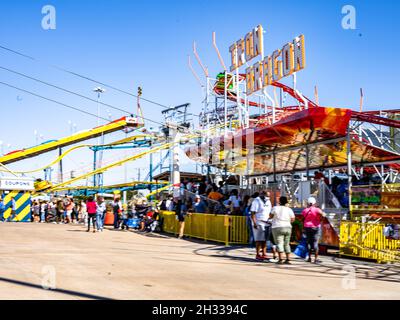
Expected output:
{"points": [[175, 173], [60, 166], [349, 168], [94, 167], [151, 171]]}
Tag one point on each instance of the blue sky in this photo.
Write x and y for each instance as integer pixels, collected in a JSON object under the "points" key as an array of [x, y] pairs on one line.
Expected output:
{"points": [[146, 43]]}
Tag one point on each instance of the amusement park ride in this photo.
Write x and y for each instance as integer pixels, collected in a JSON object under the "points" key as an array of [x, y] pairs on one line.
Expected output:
{"points": [[246, 130], [252, 133]]}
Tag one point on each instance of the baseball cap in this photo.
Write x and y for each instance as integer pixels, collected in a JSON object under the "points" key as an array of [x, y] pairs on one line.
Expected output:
{"points": [[311, 200]]}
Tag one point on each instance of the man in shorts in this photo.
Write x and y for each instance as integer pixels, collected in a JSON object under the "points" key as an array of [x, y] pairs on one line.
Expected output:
{"points": [[260, 210]]}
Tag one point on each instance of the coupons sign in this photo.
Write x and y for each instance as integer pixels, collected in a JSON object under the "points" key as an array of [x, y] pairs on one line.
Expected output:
{"points": [[23, 184]]}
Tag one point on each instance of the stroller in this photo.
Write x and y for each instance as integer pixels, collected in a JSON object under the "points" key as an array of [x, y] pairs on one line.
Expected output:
{"points": [[151, 224], [51, 217]]}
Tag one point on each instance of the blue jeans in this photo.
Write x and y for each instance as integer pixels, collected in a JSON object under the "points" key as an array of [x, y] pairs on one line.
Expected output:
{"points": [[12, 216], [116, 221], [99, 221], [251, 234]]}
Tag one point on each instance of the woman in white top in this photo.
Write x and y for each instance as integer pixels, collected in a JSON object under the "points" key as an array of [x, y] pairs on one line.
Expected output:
{"points": [[83, 212], [282, 218]]}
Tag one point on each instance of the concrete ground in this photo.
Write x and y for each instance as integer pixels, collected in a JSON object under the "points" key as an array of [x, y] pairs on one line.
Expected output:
{"points": [[131, 265]]}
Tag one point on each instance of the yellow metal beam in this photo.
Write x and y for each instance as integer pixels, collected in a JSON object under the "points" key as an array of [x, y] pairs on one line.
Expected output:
{"points": [[116, 164], [159, 190], [70, 140], [64, 154], [114, 186], [107, 167]]}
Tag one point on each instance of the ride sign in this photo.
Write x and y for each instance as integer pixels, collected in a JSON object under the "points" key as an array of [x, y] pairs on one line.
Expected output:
{"points": [[282, 63], [23, 184]]}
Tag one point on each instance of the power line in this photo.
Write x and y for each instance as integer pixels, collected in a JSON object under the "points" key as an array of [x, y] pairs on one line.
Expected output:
{"points": [[85, 77], [51, 100], [65, 90], [80, 76], [72, 107]]}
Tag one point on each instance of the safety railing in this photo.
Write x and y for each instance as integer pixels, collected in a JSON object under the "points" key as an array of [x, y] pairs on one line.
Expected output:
{"points": [[219, 228], [367, 240]]}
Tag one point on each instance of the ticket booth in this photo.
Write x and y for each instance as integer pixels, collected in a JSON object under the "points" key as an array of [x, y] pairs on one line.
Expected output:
{"points": [[19, 190]]}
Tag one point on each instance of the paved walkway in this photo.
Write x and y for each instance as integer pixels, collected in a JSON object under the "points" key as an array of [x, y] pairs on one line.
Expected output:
{"points": [[131, 265]]}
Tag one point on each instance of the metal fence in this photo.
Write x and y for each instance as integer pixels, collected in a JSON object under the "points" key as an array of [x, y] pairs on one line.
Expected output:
{"points": [[367, 240], [220, 228]]}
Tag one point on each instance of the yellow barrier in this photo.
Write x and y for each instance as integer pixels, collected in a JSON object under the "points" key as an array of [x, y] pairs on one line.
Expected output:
{"points": [[367, 241], [219, 228]]}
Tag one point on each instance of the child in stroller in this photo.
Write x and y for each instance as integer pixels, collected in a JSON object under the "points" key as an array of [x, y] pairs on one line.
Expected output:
{"points": [[149, 221]]}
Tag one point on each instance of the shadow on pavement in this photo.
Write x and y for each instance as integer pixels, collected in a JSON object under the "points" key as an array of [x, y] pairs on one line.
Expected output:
{"points": [[332, 266], [63, 291]]}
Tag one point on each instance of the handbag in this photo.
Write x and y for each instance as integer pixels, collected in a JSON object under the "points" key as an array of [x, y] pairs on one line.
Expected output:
{"points": [[302, 248]]}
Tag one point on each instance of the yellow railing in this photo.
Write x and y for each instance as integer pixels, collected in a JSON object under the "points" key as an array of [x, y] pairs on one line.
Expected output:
{"points": [[368, 241], [220, 228]]}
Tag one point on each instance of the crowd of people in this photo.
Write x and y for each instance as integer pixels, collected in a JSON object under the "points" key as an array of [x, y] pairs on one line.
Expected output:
{"points": [[267, 224], [90, 212]]}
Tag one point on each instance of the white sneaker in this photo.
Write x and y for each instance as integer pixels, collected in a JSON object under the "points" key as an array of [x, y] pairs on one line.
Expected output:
{"points": [[273, 260]]}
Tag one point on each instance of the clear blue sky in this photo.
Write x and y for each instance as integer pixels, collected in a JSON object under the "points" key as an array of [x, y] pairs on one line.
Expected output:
{"points": [[146, 43]]}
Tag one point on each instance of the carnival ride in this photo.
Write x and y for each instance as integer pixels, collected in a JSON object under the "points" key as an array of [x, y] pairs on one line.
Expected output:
{"points": [[254, 136], [284, 137], [51, 145]]}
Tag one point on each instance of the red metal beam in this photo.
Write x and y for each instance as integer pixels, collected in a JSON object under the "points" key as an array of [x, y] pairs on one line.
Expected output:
{"points": [[367, 117]]}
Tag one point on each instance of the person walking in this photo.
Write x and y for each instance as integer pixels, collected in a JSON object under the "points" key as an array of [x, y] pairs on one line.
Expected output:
{"points": [[100, 212], [60, 211], [43, 209], [13, 210], [83, 212], [69, 208], [2, 209], [312, 218], [181, 212], [282, 217], [117, 208], [51, 211], [91, 206], [75, 212], [36, 211], [260, 210]]}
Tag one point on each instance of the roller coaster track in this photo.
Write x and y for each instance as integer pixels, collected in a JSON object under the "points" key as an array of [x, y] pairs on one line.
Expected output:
{"points": [[64, 154], [367, 116], [110, 127], [114, 164]]}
